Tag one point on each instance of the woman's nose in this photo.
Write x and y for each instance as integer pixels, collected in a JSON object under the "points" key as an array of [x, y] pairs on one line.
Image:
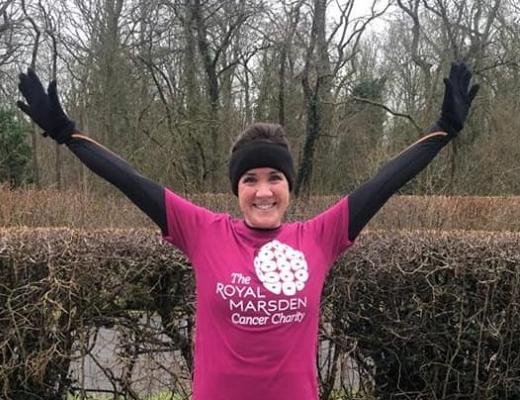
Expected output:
{"points": [[264, 190]]}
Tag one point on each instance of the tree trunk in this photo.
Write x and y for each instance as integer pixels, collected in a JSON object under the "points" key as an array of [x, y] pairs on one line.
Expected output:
{"points": [[210, 68], [314, 93], [34, 131], [294, 17], [57, 152]]}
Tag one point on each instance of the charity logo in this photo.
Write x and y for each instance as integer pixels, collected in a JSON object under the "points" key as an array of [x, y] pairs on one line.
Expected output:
{"points": [[281, 268]]}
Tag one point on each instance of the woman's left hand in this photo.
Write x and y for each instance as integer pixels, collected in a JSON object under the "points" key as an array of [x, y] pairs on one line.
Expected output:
{"points": [[458, 96]]}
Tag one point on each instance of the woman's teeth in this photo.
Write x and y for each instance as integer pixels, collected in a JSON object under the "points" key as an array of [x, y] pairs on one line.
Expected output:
{"points": [[264, 206]]}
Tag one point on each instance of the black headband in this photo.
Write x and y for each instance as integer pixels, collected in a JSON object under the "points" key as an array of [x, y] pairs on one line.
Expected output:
{"points": [[258, 155]]}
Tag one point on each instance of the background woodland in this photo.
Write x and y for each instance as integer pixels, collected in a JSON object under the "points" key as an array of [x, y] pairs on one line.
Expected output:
{"points": [[168, 84]]}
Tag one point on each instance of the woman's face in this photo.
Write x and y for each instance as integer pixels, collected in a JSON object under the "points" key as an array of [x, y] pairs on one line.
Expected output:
{"points": [[263, 197]]}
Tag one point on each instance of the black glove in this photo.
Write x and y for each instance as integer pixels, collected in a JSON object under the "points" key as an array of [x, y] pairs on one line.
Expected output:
{"points": [[457, 99], [44, 108]]}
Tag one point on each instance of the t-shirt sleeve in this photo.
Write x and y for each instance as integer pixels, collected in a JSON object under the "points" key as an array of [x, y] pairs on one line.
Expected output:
{"points": [[185, 222], [330, 230]]}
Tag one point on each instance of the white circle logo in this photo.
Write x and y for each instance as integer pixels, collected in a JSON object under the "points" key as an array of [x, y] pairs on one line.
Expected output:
{"points": [[281, 268]]}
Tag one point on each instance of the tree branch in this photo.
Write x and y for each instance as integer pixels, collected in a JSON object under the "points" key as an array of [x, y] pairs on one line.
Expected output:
{"points": [[383, 106]]}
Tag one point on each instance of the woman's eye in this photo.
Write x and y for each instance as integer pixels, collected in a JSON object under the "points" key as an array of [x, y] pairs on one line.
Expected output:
{"points": [[276, 178], [248, 180]]}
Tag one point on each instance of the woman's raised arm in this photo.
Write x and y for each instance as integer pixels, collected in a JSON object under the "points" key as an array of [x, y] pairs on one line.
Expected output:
{"points": [[366, 200], [44, 108]]}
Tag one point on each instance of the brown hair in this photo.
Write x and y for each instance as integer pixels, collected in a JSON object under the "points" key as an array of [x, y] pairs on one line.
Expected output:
{"points": [[263, 132]]}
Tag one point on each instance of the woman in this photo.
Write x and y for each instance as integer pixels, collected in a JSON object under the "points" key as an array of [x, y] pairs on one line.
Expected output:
{"points": [[258, 280]]}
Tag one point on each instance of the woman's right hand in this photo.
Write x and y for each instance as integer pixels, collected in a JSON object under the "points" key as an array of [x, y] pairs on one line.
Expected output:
{"points": [[44, 108]]}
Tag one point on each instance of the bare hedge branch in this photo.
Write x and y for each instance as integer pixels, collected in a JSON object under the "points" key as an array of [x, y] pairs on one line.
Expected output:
{"points": [[418, 315]]}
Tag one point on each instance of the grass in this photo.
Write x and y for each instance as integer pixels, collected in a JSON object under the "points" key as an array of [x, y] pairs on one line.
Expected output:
{"points": [[84, 210]]}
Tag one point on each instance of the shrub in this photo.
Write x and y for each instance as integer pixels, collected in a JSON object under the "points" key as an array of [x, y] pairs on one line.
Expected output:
{"points": [[420, 315]]}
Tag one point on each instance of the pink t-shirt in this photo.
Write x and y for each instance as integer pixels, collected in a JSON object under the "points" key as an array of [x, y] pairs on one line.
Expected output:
{"points": [[258, 299]]}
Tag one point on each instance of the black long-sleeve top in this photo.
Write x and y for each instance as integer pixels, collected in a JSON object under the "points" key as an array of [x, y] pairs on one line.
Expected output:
{"points": [[364, 202]]}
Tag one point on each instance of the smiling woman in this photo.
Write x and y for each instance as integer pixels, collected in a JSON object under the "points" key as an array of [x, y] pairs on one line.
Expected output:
{"points": [[258, 279]]}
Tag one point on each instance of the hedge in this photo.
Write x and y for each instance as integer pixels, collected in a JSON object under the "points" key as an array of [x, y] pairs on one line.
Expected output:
{"points": [[417, 314]]}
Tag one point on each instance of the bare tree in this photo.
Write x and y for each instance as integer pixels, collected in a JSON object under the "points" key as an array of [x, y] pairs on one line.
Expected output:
{"points": [[443, 31], [34, 132], [220, 22], [9, 21], [319, 72]]}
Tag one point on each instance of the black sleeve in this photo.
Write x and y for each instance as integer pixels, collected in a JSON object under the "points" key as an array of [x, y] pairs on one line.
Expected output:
{"points": [[144, 193], [366, 200]]}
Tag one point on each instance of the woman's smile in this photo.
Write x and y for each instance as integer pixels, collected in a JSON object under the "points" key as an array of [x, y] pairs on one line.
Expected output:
{"points": [[265, 206]]}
